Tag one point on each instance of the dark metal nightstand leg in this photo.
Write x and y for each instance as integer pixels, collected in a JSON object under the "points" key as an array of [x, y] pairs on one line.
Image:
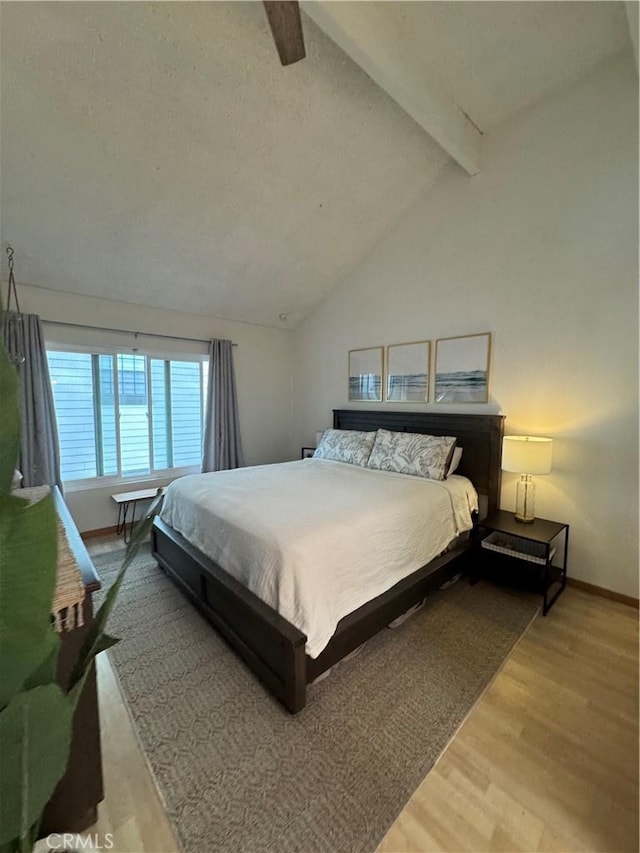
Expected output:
{"points": [[548, 604], [545, 603]]}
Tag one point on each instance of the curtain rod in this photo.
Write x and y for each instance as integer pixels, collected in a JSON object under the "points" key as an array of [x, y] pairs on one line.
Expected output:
{"points": [[128, 332]]}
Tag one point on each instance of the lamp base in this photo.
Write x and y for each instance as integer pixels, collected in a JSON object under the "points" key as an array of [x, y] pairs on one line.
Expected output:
{"points": [[523, 520], [525, 499]]}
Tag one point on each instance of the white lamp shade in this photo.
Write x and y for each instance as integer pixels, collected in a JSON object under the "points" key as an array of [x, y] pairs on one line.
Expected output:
{"points": [[526, 454]]}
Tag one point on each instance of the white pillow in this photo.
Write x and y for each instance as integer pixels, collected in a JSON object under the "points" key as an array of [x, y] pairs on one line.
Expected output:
{"points": [[455, 460], [412, 453], [345, 445]]}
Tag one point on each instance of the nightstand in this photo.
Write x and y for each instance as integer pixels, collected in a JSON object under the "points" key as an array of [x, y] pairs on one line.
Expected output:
{"points": [[532, 556]]}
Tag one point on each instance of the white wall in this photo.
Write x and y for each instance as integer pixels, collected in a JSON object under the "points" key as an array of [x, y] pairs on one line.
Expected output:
{"points": [[263, 360], [541, 249]]}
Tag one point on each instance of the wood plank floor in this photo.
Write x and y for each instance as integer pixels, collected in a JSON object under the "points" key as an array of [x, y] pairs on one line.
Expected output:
{"points": [[547, 760]]}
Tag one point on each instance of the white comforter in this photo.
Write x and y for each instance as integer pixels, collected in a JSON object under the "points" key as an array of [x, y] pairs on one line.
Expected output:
{"points": [[317, 539]]}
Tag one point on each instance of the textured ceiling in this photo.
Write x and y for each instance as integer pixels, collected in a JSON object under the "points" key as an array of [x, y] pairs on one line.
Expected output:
{"points": [[159, 154]]}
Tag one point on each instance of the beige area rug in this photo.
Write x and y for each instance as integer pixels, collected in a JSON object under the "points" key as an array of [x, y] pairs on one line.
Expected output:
{"points": [[240, 775]]}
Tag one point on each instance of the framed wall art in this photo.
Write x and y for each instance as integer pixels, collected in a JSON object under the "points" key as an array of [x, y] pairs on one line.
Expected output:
{"points": [[407, 375], [365, 375], [462, 369]]}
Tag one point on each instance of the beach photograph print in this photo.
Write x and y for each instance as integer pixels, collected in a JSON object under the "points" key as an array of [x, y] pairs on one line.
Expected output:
{"points": [[408, 372], [365, 375], [462, 369]]}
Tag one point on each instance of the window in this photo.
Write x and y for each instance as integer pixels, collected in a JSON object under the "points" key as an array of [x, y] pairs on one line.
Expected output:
{"points": [[127, 414]]}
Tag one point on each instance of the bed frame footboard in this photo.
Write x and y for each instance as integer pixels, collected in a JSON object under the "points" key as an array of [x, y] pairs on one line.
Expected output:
{"points": [[270, 645]]}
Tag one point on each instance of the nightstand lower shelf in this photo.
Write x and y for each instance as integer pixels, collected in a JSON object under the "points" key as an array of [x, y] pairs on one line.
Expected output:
{"points": [[522, 556]]}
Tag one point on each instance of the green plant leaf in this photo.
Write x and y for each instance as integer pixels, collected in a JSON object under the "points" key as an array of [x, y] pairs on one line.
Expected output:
{"points": [[105, 641], [10, 419], [35, 737], [28, 561], [47, 671]]}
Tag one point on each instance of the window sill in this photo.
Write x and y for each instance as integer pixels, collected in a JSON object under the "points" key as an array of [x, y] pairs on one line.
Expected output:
{"points": [[93, 483]]}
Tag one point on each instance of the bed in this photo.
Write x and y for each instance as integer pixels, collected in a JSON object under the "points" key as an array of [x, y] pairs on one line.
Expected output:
{"points": [[282, 655]]}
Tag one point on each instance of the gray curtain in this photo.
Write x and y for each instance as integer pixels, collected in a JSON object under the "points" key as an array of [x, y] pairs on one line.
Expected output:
{"points": [[39, 451], [222, 442]]}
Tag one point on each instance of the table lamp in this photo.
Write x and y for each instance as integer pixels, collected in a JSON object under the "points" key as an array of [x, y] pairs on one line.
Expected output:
{"points": [[526, 455]]}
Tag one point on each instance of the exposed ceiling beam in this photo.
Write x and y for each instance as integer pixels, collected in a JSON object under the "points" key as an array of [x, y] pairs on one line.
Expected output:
{"points": [[286, 28], [432, 108], [631, 7]]}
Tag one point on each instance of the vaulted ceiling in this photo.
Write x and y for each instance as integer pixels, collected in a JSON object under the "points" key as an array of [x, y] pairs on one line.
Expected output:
{"points": [[158, 153]]}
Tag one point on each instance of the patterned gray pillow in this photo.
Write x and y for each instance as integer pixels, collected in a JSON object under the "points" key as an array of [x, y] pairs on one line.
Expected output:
{"points": [[411, 453], [345, 445]]}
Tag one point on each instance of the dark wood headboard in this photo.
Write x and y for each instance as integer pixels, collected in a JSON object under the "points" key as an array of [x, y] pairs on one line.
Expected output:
{"points": [[480, 437]]}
